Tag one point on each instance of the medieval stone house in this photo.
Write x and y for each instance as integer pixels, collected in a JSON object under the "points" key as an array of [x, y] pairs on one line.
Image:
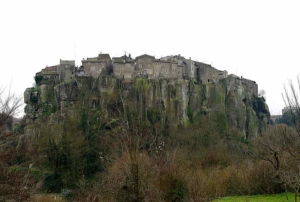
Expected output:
{"points": [[66, 70], [124, 67], [97, 65], [146, 66]]}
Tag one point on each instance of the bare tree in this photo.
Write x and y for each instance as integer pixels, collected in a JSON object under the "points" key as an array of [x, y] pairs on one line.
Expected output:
{"points": [[291, 181], [291, 100], [262, 93], [9, 106], [272, 145]]}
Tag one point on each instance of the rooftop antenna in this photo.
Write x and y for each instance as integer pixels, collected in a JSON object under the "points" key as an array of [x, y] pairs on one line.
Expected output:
{"points": [[75, 52]]}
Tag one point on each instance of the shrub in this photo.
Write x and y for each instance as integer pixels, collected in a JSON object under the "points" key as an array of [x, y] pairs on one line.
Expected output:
{"points": [[38, 79], [178, 190], [53, 183], [34, 99]]}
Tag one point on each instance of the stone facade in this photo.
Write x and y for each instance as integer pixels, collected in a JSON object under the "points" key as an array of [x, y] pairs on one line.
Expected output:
{"points": [[124, 67], [223, 74], [205, 73], [66, 70], [96, 66], [51, 68], [166, 69], [252, 85], [51, 75], [146, 66]]}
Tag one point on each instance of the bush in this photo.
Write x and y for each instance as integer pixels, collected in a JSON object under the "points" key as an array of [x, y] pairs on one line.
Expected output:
{"points": [[34, 99], [38, 79], [53, 183], [178, 190]]}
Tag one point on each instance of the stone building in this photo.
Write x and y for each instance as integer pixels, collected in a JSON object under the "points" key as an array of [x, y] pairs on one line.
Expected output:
{"points": [[80, 71], [232, 82], [176, 67], [274, 118], [66, 70], [166, 69], [51, 68], [144, 65], [124, 67], [223, 74], [205, 73], [251, 85], [97, 65], [49, 73]]}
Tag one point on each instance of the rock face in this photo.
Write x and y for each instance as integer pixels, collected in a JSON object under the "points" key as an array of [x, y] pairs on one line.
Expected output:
{"points": [[176, 101]]}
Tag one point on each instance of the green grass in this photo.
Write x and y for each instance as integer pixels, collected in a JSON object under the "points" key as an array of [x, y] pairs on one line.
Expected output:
{"points": [[258, 198]]}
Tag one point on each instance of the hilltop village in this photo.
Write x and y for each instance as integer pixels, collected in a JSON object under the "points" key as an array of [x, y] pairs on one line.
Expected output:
{"points": [[146, 66]]}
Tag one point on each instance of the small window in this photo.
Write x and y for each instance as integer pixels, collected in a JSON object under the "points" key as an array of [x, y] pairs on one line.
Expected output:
{"points": [[208, 80]]}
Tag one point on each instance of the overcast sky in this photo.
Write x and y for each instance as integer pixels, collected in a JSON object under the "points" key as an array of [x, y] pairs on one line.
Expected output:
{"points": [[259, 40]]}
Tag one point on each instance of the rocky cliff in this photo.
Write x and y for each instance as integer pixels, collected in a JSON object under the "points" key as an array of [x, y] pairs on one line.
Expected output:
{"points": [[177, 102]]}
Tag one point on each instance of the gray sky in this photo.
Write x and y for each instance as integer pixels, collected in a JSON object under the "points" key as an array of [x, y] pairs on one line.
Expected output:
{"points": [[259, 40]]}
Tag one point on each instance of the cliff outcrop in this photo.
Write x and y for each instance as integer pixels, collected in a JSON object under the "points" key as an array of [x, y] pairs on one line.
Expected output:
{"points": [[173, 102]]}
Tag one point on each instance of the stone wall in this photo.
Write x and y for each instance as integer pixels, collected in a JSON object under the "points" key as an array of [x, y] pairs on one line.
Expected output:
{"points": [[144, 62], [231, 82], [124, 70], [94, 68], [161, 69], [66, 70], [67, 62], [206, 73], [51, 68], [251, 85], [189, 69], [51, 76], [223, 74]]}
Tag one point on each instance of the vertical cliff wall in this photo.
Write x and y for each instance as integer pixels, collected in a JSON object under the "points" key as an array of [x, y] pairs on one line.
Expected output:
{"points": [[176, 101]]}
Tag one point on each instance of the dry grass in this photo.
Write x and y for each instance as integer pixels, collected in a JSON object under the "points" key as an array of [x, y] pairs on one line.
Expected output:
{"points": [[47, 198]]}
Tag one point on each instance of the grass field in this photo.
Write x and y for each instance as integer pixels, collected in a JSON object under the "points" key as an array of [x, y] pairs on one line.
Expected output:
{"points": [[258, 198]]}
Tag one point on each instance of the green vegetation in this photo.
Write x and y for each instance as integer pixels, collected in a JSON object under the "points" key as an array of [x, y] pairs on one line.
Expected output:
{"points": [[142, 144], [258, 198], [34, 99], [38, 79], [287, 119]]}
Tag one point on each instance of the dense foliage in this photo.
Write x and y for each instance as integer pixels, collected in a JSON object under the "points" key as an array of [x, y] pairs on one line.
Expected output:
{"points": [[122, 155], [127, 160]]}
